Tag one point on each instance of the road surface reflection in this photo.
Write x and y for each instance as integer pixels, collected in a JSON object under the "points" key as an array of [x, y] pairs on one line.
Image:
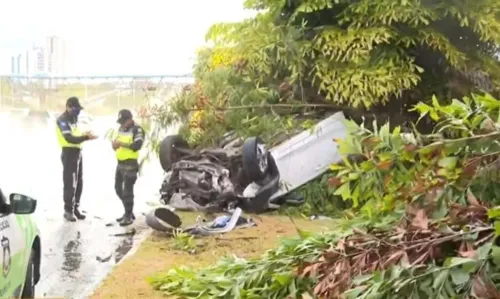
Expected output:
{"points": [[75, 256]]}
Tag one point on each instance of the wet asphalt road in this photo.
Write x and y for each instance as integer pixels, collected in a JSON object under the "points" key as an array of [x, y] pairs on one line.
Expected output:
{"points": [[75, 256]]}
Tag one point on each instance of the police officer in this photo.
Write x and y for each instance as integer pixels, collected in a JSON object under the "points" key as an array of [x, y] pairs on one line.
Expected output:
{"points": [[71, 138], [127, 145]]}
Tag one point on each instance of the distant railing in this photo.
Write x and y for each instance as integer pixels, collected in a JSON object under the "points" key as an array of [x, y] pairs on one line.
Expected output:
{"points": [[92, 77], [100, 94]]}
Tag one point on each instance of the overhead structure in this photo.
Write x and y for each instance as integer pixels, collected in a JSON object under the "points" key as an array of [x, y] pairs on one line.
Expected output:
{"points": [[94, 91]]}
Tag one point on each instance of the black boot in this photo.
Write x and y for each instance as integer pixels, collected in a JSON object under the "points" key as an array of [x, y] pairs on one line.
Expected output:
{"points": [[69, 217], [121, 218], [79, 215], [128, 219]]}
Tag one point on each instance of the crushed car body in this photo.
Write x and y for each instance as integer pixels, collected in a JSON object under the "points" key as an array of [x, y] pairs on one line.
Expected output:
{"points": [[244, 173]]}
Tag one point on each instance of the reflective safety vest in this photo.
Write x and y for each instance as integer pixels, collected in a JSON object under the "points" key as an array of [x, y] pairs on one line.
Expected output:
{"points": [[75, 131], [124, 153]]}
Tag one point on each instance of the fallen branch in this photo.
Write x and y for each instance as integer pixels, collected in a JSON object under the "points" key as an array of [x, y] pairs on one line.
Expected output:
{"points": [[364, 253], [270, 106]]}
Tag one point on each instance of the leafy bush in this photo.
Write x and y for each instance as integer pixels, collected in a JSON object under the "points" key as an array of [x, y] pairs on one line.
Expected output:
{"points": [[268, 74], [319, 199], [400, 168]]}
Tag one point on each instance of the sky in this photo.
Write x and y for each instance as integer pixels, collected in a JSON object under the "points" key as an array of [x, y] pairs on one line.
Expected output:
{"points": [[106, 37]]}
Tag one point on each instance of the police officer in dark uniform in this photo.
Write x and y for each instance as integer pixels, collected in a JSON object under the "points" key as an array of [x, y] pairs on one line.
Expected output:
{"points": [[70, 139], [127, 145]]}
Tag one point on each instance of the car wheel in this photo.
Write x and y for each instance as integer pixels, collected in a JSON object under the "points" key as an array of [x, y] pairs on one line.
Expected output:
{"points": [[255, 159], [168, 155], [29, 283]]}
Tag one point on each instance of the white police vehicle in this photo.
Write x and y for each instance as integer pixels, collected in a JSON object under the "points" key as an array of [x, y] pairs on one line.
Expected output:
{"points": [[20, 247]]}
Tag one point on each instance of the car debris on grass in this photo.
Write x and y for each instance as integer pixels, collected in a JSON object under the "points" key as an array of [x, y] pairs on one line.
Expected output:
{"points": [[243, 173], [167, 221]]}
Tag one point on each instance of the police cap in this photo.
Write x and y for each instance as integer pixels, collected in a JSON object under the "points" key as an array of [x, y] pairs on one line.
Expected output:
{"points": [[73, 102], [124, 115]]}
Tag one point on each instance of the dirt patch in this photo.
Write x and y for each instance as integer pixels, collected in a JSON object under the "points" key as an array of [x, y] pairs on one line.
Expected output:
{"points": [[156, 253]]}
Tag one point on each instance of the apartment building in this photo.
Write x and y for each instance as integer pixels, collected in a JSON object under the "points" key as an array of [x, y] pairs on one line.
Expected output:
{"points": [[49, 59]]}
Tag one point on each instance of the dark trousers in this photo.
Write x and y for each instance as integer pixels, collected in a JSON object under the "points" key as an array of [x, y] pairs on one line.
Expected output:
{"points": [[72, 178], [125, 178]]}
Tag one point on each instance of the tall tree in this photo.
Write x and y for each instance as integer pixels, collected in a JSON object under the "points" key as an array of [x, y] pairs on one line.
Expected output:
{"points": [[381, 55]]}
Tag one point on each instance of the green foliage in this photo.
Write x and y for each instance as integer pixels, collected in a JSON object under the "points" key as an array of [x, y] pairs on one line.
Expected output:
{"points": [[213, 121], [236, 277], [319, 199], [359, 54], [399, 168], [271, 276], [184, 241], [457, 277]]}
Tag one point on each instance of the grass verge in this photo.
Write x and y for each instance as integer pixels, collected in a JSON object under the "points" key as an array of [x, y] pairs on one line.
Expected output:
{"points": [[158, 254]]}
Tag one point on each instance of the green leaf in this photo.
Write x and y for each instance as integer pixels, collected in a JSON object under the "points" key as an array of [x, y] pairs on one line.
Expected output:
{"points": [[303, 234], [361, 279], [435, 102], [354, 293], [495, 255], [440, 279], [494, 213], [283, 278], [386, 156], [344, 191], [433, 114], [459, 276], [336, 167], [484, 251], [448, 162], [457, 261], [497, 228], [441, 209]]}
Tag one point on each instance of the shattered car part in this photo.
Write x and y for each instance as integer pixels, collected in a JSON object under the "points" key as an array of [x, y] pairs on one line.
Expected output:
{"points": [[209, 229], [248, 175], [209, 180], [165, 220], [184, 202], [200, 182]]}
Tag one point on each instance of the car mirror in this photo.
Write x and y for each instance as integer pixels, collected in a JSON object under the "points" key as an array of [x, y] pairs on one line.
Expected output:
{"points": [[22, 204]]}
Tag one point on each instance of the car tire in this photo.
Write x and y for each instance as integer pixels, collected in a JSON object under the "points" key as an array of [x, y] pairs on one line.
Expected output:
{"points": [[255, 159], [168, 155], [29, 283]]}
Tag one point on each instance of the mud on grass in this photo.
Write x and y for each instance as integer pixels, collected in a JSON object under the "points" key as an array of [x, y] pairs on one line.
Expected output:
{"points": [[158, 254]]}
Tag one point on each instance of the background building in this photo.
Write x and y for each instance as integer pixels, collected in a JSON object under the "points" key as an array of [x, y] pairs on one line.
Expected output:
{"points": [[55, 51], [49, 59]]}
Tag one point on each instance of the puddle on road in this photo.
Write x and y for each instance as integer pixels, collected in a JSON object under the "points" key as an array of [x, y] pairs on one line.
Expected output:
{"points": [[125, 246], [72, 257], [81, 256]]}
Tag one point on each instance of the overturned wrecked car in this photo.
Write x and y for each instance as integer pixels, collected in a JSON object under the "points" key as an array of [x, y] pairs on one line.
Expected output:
{"points": [[244, 173]]}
